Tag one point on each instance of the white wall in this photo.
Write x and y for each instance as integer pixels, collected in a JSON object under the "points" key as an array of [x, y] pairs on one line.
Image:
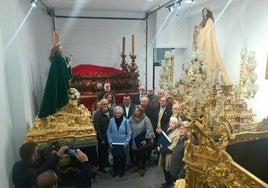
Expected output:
{"points": [[23, 63], [172, 29], [239, 24], [244, 25], [6, 154], [99, 41], [151, 44]]}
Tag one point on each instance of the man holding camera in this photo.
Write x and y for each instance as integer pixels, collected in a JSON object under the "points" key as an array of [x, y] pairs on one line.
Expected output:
{"points": [[48, 178], [26, 170]]}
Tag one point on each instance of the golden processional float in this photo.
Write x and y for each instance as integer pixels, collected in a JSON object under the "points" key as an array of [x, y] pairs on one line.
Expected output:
{"points": [[219, 117], [71, 125]]}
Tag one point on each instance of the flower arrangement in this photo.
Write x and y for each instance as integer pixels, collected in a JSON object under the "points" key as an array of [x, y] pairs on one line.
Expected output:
{"points": [[73, 94]]}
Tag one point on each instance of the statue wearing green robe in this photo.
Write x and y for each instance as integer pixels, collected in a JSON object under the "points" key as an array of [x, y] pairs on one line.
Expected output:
{"points": [[56, 91]]}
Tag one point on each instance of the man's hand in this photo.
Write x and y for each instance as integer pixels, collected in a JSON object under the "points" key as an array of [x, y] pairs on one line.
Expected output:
{"points": [[82, 157], [61, 151], [143, 142], [158, 130]]}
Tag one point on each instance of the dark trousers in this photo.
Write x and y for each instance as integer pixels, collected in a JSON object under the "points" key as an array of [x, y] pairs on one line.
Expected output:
{"points": [[119, 164], [168, 177], [149, 152], [131, 153], [140, 158], [103, 155]]}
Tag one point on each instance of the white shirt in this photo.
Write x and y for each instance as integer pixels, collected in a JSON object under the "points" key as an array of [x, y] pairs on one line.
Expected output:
{"points": [[127, 110]]}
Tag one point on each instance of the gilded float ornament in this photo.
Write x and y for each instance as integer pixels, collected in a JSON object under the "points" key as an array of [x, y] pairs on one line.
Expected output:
{"points": [[219, 117], [72, 124]]}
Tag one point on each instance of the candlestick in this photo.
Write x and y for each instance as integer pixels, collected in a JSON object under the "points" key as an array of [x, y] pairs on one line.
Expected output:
{"points": [[133, 44], [123, 45]]}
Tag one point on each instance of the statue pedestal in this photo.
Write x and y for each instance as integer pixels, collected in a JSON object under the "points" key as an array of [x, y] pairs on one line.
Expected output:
{"points": [[71, 125]]}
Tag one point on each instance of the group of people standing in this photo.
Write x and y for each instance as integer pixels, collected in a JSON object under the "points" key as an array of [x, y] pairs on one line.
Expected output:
{"points": [[131, 128], [154, 114], [134, 126]]}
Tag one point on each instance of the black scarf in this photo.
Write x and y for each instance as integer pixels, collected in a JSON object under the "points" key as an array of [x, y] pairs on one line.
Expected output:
{"points": [[118, 121]]}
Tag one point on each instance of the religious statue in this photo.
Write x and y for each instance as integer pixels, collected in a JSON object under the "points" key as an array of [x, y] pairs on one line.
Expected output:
{"points": [[56, 91], [204, 38], [61, 118]]}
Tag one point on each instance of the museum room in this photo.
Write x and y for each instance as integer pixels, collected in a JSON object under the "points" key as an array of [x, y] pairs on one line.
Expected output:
{"points": [[208, 56]]}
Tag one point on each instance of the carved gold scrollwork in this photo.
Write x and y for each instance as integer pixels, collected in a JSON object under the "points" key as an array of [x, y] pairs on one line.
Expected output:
{"points": [[71, 121]]}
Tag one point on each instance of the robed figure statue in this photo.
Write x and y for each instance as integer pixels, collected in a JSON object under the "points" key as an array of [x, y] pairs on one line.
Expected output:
{"points": [[204, 38], [56, 91]]}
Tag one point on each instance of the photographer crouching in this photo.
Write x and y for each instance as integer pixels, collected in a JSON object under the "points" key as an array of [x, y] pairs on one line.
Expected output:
{"points": [[27, 173]]}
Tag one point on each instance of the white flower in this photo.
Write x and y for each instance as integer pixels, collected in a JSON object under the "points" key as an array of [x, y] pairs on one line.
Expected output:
{"points": [[73, 94]]}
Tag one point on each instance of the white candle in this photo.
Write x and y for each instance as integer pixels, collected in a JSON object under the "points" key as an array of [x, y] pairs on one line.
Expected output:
{"points": [[133, 44]]}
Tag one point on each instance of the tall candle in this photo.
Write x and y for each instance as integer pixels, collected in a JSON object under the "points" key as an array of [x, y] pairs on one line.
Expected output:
{"points": [[123, 45], [133, 44], [55, 37]]}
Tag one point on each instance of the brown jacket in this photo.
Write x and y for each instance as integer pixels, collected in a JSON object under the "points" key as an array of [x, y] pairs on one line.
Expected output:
{"points": [[174, 137]]}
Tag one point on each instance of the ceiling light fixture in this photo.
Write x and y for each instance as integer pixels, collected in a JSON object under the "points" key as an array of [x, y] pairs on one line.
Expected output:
{"points": [[177, 3], [170, 9], [189, 1], [179, 6], [33, 3]]}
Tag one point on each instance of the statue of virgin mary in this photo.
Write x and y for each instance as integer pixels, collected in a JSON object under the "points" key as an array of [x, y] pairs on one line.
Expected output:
{"points": [[204, 38]]}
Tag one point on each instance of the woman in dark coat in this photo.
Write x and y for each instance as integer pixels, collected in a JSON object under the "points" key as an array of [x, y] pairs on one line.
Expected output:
{"points": [[142, 137]]}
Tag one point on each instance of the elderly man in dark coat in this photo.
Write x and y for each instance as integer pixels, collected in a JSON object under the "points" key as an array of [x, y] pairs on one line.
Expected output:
{"points": [[177, 170], [101, 121]]}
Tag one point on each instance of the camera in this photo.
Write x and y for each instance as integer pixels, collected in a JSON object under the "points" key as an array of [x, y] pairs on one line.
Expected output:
{"points": [[71, 151]]}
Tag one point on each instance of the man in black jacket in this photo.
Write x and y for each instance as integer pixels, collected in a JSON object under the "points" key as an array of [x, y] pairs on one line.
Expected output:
{"points": [[127, 106], [162, 114], [25, 170], [137, 97], [177, 165], [48, 178], [101, 121]]}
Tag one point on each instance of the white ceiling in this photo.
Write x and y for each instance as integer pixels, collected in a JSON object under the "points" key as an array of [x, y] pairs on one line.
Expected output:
{"points": [[105, 5], [135, 6]]}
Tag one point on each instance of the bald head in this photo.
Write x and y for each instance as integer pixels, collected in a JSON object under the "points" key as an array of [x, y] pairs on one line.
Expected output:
{"points": [[144, 102], [104, 104], [150, 91], [142, 89]]}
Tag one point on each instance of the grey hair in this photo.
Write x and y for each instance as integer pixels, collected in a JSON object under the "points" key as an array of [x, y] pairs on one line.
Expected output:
{"points": [[174, 119], [118, 108]]}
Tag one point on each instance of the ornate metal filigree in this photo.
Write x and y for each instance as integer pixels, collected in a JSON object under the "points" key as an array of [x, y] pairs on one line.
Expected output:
{"points": [[70, 124], [219, 117]]}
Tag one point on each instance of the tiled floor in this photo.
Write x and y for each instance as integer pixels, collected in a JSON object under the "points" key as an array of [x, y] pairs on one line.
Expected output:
{"points": [[152, 179]]}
